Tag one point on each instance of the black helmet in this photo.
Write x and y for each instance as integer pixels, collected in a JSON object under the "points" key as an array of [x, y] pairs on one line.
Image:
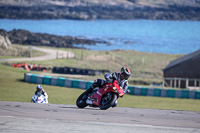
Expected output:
{"points": [[125, 73]]}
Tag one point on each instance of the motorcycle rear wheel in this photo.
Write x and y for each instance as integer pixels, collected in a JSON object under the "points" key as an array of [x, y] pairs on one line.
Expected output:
{"points": [[107, 100], [81, 101]]}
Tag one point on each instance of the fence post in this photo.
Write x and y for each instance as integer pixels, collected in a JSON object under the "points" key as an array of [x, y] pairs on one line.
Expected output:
{"points": [[179, 83], [30, 54], [142, 61], [199, 83], [195, 83], [170, 82], [174, 82], [186, 83], [163, 83]]}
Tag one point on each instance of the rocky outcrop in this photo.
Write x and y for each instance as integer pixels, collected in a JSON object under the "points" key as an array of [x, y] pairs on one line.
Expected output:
{"points": [[5, 42], [101, 9], [39, 39]]}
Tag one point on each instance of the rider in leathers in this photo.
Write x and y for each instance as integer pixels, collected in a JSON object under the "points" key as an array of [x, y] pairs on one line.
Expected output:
{"points": [[40, 91], [121, 78]]}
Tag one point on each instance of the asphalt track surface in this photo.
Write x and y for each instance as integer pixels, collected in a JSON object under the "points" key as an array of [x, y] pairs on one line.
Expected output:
{"points": [[18, 117]]}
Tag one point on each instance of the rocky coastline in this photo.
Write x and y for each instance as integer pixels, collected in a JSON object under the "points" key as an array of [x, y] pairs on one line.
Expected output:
{"points": [[42, 39], [100, 9]]}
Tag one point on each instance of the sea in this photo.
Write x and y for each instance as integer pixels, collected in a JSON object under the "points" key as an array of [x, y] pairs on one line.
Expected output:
{"points": [[155, 36]]}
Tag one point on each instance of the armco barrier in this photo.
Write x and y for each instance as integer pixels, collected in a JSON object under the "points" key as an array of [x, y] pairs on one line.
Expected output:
{"points": [[150, 92], [185, 94], [75, 83], [171, 93], [54, 80], [61, 81], [83, 84], [131, 88], [39, 79], [47, 80], [27, 77], [89, 83], [157, 92], [34, 78], [136, 91], [68, 82], [178, 93], [192, 94], [163, 93], [197, 94], [141, 91]]}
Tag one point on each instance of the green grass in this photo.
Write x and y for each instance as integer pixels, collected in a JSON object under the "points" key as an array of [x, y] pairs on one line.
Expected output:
{"points": [[9, 57], [146, 67], [13, 88]]}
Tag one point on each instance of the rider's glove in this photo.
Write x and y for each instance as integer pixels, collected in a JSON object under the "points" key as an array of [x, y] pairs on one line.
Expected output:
{"points": [[128, 91], [119, 93]]}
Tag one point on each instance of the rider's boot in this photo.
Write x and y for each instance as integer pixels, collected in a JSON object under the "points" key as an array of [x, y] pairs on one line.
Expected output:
{"points": [[91, 88], [115, 104], [94, 85], [97, 83], [88, 101]]}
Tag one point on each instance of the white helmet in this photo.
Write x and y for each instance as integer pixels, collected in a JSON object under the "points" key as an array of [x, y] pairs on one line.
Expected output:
{"points": [[39, 87]]}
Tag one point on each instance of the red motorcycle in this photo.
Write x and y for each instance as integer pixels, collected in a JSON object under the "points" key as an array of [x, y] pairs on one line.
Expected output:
{"points": [[103, 97]]}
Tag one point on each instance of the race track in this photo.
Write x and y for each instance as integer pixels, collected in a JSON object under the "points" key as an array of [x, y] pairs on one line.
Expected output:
{"points": [[17, 117]]}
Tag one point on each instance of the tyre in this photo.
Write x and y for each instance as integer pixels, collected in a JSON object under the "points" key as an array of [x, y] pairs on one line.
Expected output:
{"points": [[81, 101], [107, 100]]}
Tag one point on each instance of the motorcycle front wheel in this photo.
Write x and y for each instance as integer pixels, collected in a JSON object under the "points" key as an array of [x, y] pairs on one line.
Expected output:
{"points": [[81, 101], [107, 100]]}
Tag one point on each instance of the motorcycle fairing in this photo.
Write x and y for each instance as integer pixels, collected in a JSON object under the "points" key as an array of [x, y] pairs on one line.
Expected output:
{"points": [[96, 97]]}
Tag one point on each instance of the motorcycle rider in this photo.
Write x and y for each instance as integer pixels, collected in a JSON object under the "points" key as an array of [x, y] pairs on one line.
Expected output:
{"points": [[40, 91], [121, 78]]}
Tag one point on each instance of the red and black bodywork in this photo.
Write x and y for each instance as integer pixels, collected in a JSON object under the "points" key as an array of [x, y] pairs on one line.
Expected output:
{"points": [[103, 98]]}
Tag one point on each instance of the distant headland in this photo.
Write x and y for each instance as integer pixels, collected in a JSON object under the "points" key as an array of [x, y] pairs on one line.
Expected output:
{"points": [[100, 9], [25, 37]]}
